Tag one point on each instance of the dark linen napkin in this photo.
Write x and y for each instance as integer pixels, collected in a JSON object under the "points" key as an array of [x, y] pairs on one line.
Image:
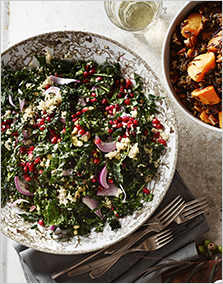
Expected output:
{"points": [[38, 266]]}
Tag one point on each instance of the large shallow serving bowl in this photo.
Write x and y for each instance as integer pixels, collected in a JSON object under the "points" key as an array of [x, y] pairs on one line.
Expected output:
{"points": [[88, 46], [180, 16]]}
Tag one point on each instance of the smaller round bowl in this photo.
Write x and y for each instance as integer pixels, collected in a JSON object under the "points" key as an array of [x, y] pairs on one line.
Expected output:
{"points": [[180, 16]]}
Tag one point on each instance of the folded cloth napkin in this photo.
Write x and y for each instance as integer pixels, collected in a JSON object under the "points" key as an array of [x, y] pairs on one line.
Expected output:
{"points": [[38, 266]]}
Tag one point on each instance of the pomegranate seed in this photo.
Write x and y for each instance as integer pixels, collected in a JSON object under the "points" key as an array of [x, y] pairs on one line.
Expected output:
{"points": [[41, 122], [91, 72], [59, 140], [156, 134], [129, 125], [98, 78], [155, 121], [64, 130], [104, 102], [15, 134], [127, 101], [119, 95], [25, 169], [87, 67], [145, 132], [23, 150], [128, 83], [85, 74], [159, 126], [54, 140], [119, 125], [125, 119], [122, 89], [85, 109], [41, 222], [93, 100], [135, 122], [110, 180], [133, 133], [78, 126], [97, 141], [120, 138], [79, 113], [73, 115], [110, 131], [28, 179], [37, 160], [146, 191], [93, 94], [81, 131], [42, 127], [116, 214], [94, 180], [111, 122], [31, 148], [131, 95], [47, 87], [96, 161], [86, 81], [162, 141], [40, 172], [56, 75], [25, 175], [3, 127], [74, 119]]}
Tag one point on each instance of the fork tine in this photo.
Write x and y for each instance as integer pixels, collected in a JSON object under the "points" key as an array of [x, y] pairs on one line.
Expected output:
{"points": [[185, 214], [172, 210], [195, 201], [187, 218], [161, 234], [173, 214], [168, 206], [165, 243], [193, 206], [165, 238]]}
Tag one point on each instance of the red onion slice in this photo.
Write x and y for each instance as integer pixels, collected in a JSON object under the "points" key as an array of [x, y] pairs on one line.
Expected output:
{"points": [[11, 101], [54, 90], [92, 204], [112, 190], [106, 146], [18, 201], [21, 186], [63, 81], [103, 177], [21, 104]]}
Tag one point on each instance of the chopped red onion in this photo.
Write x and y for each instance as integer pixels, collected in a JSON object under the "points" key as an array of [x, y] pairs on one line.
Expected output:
{"points": [[52, 227], [11, 101], [112, 190], [92, 204], [106, 146], [18, 201], [103, 177], [21, 186], [63, 81], [63, 120], [25, 134], [21, 104]]}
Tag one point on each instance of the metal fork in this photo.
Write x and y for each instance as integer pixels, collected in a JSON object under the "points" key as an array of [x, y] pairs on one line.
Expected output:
{"points": [[157, 223], [191, 210], [152, 243]]}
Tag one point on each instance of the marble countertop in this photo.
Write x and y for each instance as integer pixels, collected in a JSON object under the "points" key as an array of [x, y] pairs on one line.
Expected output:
{"points": [[200, 150]]}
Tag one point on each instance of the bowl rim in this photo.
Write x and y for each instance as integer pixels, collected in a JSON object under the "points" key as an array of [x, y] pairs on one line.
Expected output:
{"points": [[165, 64], [176, 138]]}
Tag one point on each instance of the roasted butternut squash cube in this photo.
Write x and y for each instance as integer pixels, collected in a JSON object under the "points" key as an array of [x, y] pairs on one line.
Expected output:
{"points": [[192, 25], [215, 42], [206, 96], [220, 118], [200, 65], [203, 116]]}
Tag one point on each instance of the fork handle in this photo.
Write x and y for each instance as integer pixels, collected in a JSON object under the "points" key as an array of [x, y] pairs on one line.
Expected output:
{"points": [[129, 241], [98, 263], [99, 271]]}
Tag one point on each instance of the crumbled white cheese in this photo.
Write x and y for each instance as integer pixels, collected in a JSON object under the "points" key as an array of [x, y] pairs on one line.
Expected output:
{"points": [[134, 113], [113, 154], [45, 83], [134, 150], [123, 145], [48, 56]]}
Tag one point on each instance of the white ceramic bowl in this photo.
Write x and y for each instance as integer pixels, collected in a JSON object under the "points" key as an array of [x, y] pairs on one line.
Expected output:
{"points": [[86, 46], [180, 16]]}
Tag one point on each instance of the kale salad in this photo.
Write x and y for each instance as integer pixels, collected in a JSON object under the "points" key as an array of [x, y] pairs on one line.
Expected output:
{"points": [[79, 142]]}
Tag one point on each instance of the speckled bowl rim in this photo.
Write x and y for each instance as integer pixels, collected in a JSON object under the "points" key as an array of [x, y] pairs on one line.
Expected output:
{"points": [[186, 8], [174, 123]]}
